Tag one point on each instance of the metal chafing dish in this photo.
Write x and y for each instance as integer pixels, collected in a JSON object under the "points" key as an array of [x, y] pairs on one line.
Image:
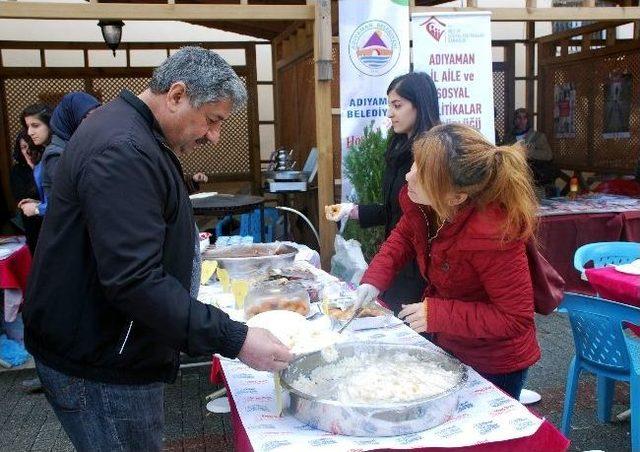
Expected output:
{"points": [[368, 420], [241, 260]]}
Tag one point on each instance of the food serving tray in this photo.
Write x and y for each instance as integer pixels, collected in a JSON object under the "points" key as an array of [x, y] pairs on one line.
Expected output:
{"points": [[390, 419]]}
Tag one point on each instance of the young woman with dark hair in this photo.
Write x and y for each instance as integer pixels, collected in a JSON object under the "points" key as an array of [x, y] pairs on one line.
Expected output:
{"points": [[30, 142], [65, 119], [412, 109]]}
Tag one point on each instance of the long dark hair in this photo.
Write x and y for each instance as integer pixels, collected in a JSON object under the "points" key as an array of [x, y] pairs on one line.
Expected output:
{"points": [[41, 111], [419, 89]]}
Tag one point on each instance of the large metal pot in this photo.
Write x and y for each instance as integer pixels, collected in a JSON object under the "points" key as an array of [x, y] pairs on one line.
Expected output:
{"points": [[368, 420], [242, 260]]}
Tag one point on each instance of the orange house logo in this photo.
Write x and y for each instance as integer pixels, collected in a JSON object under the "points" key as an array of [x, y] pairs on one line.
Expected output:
{"points": [[434, 27]]}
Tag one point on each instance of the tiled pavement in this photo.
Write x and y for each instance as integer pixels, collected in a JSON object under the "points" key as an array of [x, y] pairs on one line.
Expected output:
{"points": [[28, 424]]}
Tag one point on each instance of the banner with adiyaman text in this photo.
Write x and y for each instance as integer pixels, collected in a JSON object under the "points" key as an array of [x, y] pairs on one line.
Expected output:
{"points": [[455, 50], [374, 49]]}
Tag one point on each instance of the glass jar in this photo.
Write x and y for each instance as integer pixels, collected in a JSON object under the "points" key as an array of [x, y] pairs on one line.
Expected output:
{"points": [[274, 295]]}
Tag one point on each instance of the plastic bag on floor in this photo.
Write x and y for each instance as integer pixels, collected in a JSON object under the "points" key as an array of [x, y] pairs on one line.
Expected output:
{"points": [[12, 352], [348, 262]]}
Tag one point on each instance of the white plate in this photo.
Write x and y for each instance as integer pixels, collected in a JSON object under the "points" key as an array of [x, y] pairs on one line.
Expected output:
{"points": [[299, 334], [632, 268]]}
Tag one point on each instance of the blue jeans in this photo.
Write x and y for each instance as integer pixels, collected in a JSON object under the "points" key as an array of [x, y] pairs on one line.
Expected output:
{"points": [[105, 417], [510, 383]]}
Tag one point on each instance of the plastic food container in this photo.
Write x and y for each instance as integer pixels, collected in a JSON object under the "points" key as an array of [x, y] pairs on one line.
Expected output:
{"points": [[276, 295], [372, 316]]}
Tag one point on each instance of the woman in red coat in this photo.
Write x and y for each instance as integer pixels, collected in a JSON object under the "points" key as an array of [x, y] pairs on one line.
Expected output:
{"points": [[467, 214]]}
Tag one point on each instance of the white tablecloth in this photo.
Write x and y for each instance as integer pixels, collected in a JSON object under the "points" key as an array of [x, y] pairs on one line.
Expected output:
{"points": [[485, 414]]}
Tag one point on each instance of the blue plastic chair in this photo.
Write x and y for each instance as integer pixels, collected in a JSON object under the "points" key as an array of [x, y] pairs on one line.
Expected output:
{"points": [[603, 253], [250, 224], [601, 348], [633, 346]]}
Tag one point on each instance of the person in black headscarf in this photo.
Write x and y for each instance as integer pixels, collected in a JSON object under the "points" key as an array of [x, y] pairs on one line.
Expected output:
{"points": [[26, 156], [66, 118], [413, 109]]}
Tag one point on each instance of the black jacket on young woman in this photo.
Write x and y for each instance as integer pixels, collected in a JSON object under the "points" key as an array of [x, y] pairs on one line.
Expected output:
{"points": [[409, 284], [23, 186], [109, 293]]}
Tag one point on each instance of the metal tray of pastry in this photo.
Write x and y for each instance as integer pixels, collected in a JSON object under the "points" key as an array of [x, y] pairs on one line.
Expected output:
{"points": [[241, 260]]}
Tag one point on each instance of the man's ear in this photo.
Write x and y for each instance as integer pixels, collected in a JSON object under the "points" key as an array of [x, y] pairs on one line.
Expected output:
{"points": [[176, 95]]}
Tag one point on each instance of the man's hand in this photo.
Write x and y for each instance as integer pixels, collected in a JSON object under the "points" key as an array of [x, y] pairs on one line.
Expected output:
{"points": [[366, 294], [338, 212], [415, 315], [200, 178], [263, 351]]}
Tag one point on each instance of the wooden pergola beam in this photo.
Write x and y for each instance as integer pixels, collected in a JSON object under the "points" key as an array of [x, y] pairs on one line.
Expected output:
{"points": [[239, 12], [578, 31], [547, 14], [139, 11]]}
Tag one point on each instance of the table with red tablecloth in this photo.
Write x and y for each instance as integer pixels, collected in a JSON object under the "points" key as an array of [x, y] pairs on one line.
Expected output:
{"points": [[14, 272], [547, 437], [613, 285], [560, 236]]}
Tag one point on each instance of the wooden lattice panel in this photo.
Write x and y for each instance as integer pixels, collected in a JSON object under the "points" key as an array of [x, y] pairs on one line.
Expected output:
{"points": [[21, 93], [108, 89], [623, 152], [569, 152], [589, 150], [229, 156]]}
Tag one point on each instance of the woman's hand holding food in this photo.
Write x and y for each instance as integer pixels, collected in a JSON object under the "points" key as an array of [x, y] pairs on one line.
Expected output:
{"points": [[338, 212]]}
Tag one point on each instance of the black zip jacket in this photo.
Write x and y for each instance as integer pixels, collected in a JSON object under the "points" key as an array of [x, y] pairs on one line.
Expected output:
{"points": [[108, 298], [409, 285]]}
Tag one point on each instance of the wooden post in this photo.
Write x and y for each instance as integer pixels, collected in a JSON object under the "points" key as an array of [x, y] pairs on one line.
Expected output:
{"points": [[472, 3], [324, 137], [252, 107], [530, 69], [611, 36]]}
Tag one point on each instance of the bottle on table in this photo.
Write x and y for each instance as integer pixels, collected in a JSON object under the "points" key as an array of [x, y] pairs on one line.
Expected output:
{"points": [[574, 187]]}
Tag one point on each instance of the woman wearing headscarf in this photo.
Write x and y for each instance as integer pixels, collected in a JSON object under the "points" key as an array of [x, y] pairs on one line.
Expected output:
{"points": [[66, 118]]}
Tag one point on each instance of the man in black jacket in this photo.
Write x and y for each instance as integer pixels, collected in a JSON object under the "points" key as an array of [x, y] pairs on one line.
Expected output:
{"points": [[112, 296]]}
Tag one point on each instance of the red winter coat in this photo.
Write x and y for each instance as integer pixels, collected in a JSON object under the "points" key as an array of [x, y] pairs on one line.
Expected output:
{"points": [[480, 298]]}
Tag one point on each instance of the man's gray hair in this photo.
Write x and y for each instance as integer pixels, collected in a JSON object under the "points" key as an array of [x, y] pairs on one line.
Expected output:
{"points": [[206, 75]]}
